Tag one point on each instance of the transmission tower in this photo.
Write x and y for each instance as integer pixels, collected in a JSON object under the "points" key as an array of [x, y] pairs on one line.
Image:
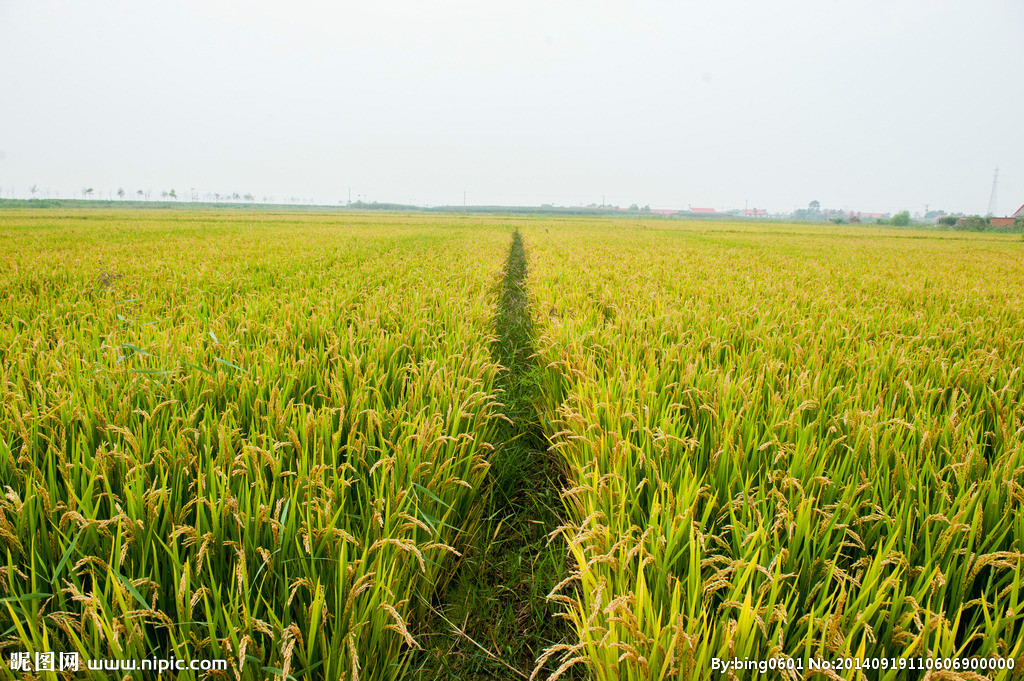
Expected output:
{"points": [[992, 199]]}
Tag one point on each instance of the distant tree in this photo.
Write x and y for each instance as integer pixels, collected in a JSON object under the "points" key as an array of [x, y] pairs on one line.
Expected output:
{"points": [[249, 197], [33, 189], [814, 206], [646, 209], [633, 207], [138, 193], [120, 193], [901, 219], [88, 192], [947, 220], [972, 224], [173, 195]]}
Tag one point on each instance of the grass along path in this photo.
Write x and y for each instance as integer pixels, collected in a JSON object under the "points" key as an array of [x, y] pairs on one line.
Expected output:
{"points": [[495, 621]]}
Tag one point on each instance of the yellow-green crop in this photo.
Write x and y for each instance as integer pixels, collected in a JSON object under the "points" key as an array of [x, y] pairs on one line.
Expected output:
{"points": [[784, 442], [265, 438], [245, 436]]}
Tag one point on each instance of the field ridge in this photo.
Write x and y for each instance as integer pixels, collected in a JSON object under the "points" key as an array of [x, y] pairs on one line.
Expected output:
{"points": [[495, 619]]}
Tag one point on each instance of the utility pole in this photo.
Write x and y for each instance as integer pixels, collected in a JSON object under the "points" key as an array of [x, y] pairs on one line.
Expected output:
{"points": [[463, 199]]}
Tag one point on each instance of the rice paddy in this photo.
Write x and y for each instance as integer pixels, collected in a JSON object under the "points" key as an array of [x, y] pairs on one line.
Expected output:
{"points": [[273, 438], [255, 441], [786, 444]]}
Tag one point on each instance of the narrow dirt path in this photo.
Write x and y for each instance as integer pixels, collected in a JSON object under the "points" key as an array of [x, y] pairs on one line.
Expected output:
{"points": [[494, 621]]}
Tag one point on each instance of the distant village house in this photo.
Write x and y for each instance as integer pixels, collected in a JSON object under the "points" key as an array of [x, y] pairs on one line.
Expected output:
{"points": [[1009, 221]]}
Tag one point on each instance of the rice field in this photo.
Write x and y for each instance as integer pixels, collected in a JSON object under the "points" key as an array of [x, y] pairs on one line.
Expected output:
{"points": [[224, 438], [785, 443], [266, 438]]}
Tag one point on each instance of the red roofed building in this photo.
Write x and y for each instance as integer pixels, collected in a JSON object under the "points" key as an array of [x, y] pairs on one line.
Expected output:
{"points": [[703, 210], [1007, 222], [755, 212]]}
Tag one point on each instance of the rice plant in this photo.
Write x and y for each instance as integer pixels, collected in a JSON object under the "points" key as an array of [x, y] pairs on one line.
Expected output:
{"points": [[266, 439], [784, 443], [226, 436]]}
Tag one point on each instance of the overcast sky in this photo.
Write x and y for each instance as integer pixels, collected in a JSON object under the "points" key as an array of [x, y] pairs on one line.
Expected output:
{"points": [[871, 105]]}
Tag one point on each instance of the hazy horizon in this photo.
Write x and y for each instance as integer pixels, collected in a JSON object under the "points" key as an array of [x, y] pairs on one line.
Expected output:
{"points": [[872, 106]]}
